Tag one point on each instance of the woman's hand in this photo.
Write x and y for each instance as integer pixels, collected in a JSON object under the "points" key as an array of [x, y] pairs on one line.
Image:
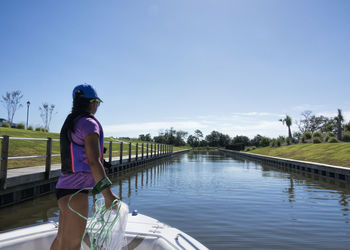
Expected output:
{"points": [[109, 198]]}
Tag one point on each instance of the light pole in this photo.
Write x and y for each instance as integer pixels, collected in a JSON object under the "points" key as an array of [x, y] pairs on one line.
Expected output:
{"points": [[28, 103]]}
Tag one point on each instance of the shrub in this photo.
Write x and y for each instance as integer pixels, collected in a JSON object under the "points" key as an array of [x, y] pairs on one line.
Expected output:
{"points": [[281, 139], [317, 134], [346, 137], [275, 143], [264, 141], [332, 140], [41, 129], [249, 148], [297, 137], [316, 140], [307, 135], [328, 135], [236, 147], [20, 126], [289, 141], [30, 128], [6, 125]]}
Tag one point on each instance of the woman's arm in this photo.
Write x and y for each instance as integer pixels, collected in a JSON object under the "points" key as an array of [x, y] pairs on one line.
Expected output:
{"points": [[92, 148]]}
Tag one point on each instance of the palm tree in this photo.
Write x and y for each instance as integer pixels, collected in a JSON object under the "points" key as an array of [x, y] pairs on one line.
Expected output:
{"points": [[339, 121], [288, 121]]}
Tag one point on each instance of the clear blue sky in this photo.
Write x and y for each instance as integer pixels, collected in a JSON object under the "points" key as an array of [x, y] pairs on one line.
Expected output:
{"points": [[227, 65]]}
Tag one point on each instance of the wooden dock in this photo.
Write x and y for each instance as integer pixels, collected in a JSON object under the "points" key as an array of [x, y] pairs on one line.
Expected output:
{"points": [[20, 184]]}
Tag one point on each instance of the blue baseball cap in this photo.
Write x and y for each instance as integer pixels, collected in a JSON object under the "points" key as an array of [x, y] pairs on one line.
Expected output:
{"points": [[86, 91]]}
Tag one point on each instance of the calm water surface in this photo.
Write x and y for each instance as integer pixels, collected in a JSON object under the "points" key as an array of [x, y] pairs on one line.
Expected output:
{"points": [[225, 203]]}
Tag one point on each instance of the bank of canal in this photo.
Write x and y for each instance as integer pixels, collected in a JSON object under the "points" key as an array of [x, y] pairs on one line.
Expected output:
{"points": [[225, 203]]}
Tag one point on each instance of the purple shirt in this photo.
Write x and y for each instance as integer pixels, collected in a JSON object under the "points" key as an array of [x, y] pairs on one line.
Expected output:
{"points": [[79, 180]]}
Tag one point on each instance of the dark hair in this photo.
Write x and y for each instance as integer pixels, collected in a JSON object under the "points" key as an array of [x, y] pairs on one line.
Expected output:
{"points": [[81, 107], [80, 104]]}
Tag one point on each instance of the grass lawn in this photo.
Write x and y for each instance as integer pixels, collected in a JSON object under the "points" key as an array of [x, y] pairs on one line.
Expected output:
{"points": [[328, 153], [35, 148]]}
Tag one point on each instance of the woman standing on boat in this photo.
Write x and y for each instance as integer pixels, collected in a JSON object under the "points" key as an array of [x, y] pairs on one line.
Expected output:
{"points": [[81, 141]]}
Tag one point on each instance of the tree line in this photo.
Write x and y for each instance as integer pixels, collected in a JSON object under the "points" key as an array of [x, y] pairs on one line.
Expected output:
{"points": [[311, 129], [169, 136]]}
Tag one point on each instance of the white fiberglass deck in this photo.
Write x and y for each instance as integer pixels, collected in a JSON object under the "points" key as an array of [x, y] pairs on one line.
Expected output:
{"points": [[142, 232]]}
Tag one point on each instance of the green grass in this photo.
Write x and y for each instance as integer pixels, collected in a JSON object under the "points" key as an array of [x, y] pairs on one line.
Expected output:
{"points": [[328, 153], [33, 148]]}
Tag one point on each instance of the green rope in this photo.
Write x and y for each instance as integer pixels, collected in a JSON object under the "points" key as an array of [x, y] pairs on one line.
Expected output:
{"points": [[100, 225]]}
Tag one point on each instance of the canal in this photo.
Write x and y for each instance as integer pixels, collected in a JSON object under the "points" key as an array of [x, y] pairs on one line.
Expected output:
{"points": [[225, 203]]}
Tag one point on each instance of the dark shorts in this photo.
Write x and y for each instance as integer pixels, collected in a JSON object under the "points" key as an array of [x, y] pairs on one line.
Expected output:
{"points": [[60, 192]]}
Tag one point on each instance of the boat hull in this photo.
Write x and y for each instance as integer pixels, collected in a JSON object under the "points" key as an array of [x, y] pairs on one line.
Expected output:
{"points": [[142, 232]]}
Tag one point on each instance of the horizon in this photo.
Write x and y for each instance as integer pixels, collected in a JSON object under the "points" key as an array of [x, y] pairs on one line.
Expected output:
{"points": [[236, 67]]}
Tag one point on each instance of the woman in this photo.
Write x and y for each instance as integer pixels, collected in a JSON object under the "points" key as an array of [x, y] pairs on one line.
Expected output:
{"points": [[81, 141]]}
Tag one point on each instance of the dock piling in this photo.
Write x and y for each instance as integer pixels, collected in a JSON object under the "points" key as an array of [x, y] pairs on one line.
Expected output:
{"points": [[48, 158], [4, 156]]}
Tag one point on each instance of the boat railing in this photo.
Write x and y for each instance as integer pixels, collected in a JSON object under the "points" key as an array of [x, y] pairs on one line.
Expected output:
{"points": [[186, 239]]}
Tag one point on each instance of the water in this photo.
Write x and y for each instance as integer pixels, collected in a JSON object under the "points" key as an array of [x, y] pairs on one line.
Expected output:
{"points": [[225, 203]]}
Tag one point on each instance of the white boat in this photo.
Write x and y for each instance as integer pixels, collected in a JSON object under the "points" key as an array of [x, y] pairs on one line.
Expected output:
{"points": [[142, 232]]}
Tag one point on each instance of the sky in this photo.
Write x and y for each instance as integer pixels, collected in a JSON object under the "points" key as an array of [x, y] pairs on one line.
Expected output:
{"points": [[234, 66]]}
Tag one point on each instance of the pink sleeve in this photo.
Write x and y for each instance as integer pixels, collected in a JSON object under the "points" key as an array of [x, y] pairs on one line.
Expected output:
{"points": [[84, 127], [89, 126]]}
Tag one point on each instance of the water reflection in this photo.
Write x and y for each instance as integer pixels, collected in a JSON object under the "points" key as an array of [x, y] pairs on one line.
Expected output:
{"points": [[290, 190], [314, 184], [44, 209]]}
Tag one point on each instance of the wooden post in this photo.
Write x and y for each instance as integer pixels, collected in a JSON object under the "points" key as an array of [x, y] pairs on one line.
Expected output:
{"points": [[147, 151], [48, 158], [142, 151], [151, 150], [4, 156], [121, 153], [110, 152], [129, 151], [137, 151]]}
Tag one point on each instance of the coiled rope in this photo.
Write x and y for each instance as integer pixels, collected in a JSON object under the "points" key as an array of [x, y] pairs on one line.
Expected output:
{"points": [[100, 226]]}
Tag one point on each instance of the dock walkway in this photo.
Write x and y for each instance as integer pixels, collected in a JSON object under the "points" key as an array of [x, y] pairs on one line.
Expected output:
{"points": [[25, 175], [31, 182]]}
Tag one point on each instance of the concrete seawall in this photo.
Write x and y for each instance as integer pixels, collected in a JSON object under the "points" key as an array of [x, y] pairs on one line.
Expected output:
{"points": [[338, 173], [31, 182]]}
